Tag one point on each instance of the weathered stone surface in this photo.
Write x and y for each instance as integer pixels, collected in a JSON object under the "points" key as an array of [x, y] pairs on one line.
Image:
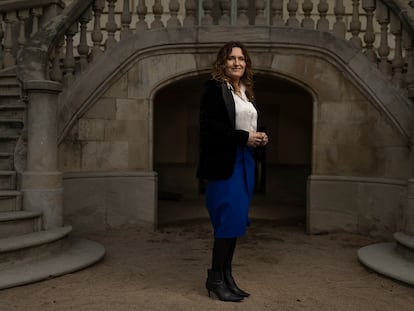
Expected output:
{"points": [[109, 200], [104, 108], [348, 132], [119, 89], [91, 129], [366, 205], [130, 109]]}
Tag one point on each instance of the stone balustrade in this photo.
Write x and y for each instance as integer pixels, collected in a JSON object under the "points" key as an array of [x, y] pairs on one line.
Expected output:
{"points": [[374, 27], [19, 20]]}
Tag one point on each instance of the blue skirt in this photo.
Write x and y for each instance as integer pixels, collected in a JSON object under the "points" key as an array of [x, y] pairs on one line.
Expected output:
{"points": [[228, 200]]}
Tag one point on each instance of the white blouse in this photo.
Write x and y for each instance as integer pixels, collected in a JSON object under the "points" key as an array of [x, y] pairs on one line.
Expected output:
{"points": [[246, 114]]}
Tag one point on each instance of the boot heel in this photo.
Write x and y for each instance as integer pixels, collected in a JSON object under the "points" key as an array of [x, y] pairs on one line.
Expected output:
{"points": [[216, 284]]}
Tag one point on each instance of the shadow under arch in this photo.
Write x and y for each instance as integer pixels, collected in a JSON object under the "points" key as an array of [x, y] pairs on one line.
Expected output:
{"points": [[286, 113]]}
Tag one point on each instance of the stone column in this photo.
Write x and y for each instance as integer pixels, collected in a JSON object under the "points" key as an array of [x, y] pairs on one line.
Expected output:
{"points": [[41, 182], [409, 210]]}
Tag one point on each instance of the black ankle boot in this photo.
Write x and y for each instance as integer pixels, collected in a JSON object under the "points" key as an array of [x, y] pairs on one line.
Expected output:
{"points": [[215, 283], [231, 284]]}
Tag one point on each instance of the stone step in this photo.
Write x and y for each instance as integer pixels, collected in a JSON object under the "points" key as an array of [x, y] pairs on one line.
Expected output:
{"points": [[393, 259], [12, 109], [9, 85], [10, 201], [8, 75], [27, 247], [6, 161], [78, 255], [405, 245], [19, 222], [14, 102], [7, 180], [10, 126], [8, 143], [7, 89]]}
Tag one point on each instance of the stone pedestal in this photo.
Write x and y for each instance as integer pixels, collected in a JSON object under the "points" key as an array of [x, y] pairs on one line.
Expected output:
{"points": [[41, 182], [395, 259]]}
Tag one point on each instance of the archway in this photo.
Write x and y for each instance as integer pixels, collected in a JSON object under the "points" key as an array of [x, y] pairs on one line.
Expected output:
{"points": [[286, 115], [283, 166]]}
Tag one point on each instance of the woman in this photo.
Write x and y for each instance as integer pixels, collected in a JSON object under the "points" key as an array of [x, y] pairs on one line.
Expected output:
{"points": [[228, 136]]}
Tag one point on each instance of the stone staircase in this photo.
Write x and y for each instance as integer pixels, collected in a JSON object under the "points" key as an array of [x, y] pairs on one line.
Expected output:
{"points": [[392, 259], [27, 252], [12, 115]]}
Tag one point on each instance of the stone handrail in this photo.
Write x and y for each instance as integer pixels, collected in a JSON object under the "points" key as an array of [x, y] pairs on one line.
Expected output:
{"points": [[19, 20], [381, 29], [16, 5], [34, 58]]}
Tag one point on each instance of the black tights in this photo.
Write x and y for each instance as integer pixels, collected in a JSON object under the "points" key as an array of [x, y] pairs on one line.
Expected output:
{"points": [[223, 251]]}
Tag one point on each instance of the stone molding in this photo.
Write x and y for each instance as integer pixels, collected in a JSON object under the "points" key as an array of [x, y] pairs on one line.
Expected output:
{"points": [[115, 174], [119, 59], [372, 180]]}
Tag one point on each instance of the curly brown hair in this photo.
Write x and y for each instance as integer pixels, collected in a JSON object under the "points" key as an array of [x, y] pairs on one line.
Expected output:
{"points": [[219, 65]]}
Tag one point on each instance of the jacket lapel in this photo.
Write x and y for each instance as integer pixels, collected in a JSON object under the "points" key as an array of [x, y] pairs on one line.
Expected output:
{"points": [[229, 102]]}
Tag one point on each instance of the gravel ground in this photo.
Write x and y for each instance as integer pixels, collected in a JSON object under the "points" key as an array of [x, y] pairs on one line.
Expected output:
{"points": [[281, 266]]}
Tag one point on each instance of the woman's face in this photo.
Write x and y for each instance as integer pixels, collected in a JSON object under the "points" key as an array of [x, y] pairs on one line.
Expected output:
{"points": [[235, 65]]}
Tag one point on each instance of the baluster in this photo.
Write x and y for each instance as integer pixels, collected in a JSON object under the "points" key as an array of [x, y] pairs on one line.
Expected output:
{"points": [[83, 48], [260, 16], [8, 58], [323, 23], [292, 8], [36, 14], [355, 25], [190, 13], [369, 36], [174, 7], [111, 24], [225, 12], [207, 7], [157, 10], [69, 61], [56, 73], [277, 12], [141, 12], [22, 16], [126, 19], [1, 41], [97, 35], [409, 59], [339, 27], [384, 49], [397, 62], [307, 21], [242, 18]]}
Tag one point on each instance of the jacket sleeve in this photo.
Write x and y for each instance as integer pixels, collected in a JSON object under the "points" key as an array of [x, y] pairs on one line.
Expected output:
{"points": [[215, 125]]}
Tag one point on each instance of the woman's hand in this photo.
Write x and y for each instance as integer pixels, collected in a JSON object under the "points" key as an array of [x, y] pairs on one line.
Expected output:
{"points": [[257, 139]]}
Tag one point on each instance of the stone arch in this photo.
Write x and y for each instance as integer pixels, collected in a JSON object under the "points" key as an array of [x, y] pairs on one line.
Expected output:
{"points": [[177, 185], [369, 106], [276, 41]]}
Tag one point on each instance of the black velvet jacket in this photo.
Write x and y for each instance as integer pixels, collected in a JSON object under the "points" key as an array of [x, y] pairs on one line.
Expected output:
{"points": [[218, 137]]}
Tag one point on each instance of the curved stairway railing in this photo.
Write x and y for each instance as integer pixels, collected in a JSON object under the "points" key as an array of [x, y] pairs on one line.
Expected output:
{"points": [[382, 29], [66, 44], [34, 243]]}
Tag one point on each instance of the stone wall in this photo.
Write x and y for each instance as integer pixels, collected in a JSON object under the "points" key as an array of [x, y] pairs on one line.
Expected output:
{"points": [[354, 133]]}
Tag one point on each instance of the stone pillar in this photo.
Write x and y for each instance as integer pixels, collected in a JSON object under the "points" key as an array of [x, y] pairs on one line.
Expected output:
{"points": [[41, 182], [409, 210]]}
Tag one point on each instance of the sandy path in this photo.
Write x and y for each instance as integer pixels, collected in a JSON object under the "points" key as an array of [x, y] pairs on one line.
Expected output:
{"points": [[282, 268]]}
